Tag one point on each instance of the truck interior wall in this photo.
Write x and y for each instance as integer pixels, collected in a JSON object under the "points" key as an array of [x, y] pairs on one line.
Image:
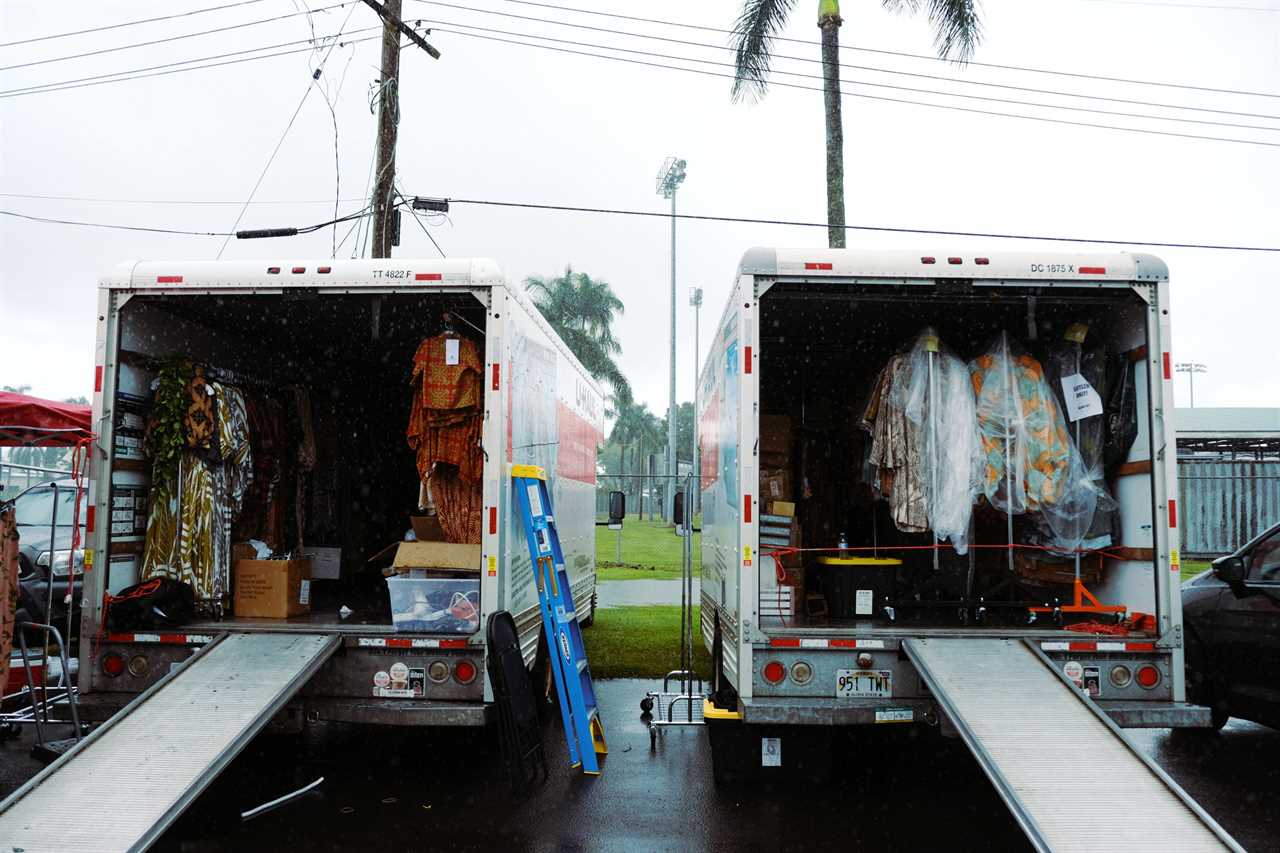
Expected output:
{"points": [[821, 350], [354, 354]]}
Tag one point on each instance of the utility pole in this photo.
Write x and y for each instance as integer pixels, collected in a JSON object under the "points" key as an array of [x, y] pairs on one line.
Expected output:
{"points": [[386, 232], [670, 176]]}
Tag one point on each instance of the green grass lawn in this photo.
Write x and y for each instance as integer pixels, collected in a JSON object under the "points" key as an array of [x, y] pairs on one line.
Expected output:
{"points": [[640, 642], [1191, 568], [649, 550]]}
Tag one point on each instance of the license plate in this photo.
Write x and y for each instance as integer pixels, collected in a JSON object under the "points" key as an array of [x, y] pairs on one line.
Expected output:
{"points": [[864, 683]]}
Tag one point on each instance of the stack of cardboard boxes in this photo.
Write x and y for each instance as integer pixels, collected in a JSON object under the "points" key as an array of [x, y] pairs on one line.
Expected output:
{"points": [[778, 525]]}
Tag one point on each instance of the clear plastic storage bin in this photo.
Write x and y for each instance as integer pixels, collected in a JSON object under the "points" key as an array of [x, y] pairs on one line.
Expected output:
{"points": [[435, 605]]}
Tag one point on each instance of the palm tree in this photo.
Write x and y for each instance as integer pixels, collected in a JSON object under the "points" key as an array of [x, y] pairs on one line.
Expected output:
{"points": [[630, 427], [582, 309], [956, 32]]}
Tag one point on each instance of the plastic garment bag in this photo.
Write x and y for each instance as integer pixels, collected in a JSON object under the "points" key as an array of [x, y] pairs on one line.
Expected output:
{"points": [[1029, 462], [938, 400]]}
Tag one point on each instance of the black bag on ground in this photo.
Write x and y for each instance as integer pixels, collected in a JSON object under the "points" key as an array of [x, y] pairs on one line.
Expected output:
{"points": [[519, 728], [157, 603]]}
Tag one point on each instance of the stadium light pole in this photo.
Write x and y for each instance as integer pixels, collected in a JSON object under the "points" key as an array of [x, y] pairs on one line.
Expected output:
{"points": [[1191, 368], [695, 299], [670, 177]]}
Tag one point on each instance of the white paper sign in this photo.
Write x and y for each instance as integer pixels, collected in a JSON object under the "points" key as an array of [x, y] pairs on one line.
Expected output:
{"points": [[862, 602], [1082, 400], [450, 350]]}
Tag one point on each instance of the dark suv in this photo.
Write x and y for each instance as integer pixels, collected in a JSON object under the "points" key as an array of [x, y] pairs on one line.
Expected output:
{"points": [[1232, 618], [45, 517]]}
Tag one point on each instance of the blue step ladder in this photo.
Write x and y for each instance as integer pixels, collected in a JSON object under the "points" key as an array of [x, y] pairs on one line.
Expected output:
{"points": [[583, 731]]}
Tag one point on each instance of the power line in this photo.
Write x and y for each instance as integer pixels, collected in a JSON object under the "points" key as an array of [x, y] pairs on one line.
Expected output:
{"points": [[169, 39], [315, 75], [1027, 69], [1189, 6], [130, 23], [881, 228], [114, 226], [817, 61], [163, 201], [404, 202], [912, 89], [172, 67], [738, 220], [952, 107]]}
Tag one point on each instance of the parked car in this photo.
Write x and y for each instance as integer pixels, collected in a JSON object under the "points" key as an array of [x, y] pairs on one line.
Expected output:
{"points": [[1232, 618], [45, 516]]}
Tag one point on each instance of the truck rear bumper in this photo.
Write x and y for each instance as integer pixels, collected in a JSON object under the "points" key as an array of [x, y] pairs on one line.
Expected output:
{"points": [[98, 707], [845, 712], [1156, 715]]}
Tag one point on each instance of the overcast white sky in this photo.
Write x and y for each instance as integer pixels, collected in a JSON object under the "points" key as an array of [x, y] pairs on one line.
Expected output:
{"points": [[498, 121]]}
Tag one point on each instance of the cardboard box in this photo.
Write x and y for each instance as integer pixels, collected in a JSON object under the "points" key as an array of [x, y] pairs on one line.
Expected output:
{"points": [[775, 484], [427, 528], [785, 508], [436, 555], [326, 563], [271, 589]]}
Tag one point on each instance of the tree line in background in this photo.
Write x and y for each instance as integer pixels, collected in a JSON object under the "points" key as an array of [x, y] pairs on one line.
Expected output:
{"points": [[582, 310]]}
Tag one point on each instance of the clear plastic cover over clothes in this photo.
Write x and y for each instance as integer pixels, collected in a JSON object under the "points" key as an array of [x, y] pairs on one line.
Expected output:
{"points": [[938, 400], [1030, 463]]}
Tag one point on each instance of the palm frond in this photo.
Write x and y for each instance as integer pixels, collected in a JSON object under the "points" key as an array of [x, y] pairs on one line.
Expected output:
{"points": [[956, 27], [752, 43]]}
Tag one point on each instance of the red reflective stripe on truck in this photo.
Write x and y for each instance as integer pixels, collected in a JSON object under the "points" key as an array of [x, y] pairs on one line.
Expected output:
{"points": [[453, 644], [811, 265], [1093, 270], [1173, 513], [1082, 647], [168, 279], [89, 517], [97, 379], [493, 520], [1139, 647], [399, 643], [428, 276], [1168, 369], [746, 509], [785, 642], [746, 364], [844, 644], [496, 375]]}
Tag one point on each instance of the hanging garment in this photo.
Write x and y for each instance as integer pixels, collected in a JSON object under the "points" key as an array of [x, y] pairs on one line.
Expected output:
{"points": [[263, 516], [306, 457], [192, 513], [200, 420], [449, 369], [1069, 357], [934, 391], [1029, 461], [8, 587], [896, 443], [459, 505], [446, 420]]}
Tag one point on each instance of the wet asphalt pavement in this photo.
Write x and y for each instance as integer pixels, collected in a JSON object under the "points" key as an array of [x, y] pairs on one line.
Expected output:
{"points": [[900, 789], [630, 593]]}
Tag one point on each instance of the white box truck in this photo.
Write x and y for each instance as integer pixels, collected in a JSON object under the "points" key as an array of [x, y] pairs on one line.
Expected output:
{"points": [[346, 330], [826, 598]]}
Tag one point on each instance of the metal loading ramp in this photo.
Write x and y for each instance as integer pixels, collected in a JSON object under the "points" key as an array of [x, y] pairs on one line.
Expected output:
{"points": [[1070, 777], [119, 788]]}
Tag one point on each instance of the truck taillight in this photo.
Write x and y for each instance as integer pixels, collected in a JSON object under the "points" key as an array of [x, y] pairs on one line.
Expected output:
{"points": [[438, 671], [1147, 676], [864, 660], [464, 671], [113, 664], [801, 672], [1121, 675], [774, 672], [138, 666]]}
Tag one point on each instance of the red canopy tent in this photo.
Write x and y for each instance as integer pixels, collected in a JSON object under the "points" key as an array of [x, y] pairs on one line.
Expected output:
{"points": [[29, 421], [25, 422]]}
